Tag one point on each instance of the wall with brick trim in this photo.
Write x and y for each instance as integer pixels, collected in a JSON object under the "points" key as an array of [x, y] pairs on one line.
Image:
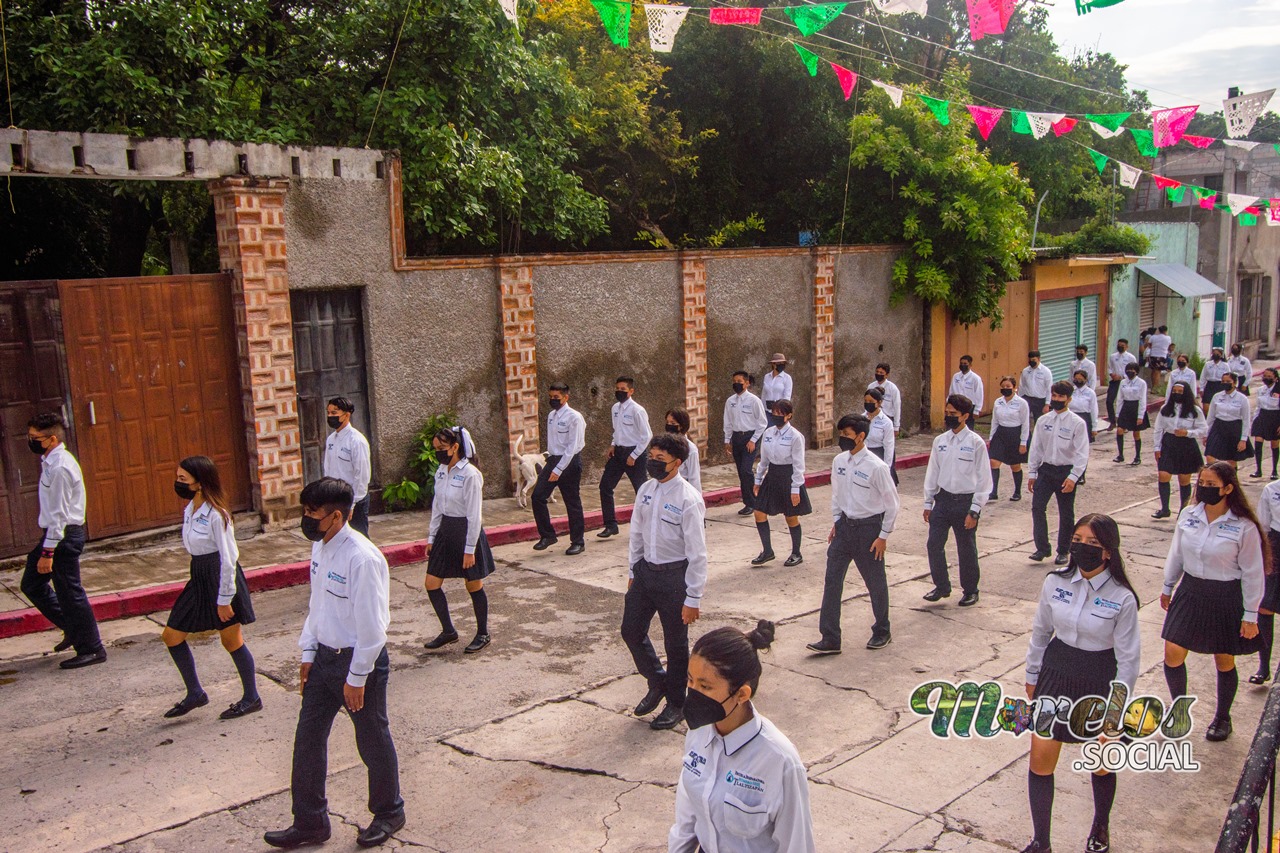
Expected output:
{"points": [[693, 327], [519, 361], [824, 349]]}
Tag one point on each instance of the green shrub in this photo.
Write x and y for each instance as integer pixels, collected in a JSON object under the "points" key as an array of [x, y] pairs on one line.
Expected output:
{"points": [[418, 488], [1100, 237]]}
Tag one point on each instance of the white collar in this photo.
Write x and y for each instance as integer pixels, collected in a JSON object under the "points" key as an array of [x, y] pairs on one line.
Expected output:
{"points": [[739, 737]]}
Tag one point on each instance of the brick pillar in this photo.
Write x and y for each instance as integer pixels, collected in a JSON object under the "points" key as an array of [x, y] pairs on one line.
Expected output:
{"points": [[519, 358], [250, 221], [824, 349], [693, 326]]}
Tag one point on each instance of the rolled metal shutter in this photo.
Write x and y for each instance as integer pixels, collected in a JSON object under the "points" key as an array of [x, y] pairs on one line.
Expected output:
{"points": [[1057, 341]]}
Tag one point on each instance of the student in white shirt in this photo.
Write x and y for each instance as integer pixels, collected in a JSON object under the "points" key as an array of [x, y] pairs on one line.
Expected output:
{"points": [[892, 395], [1211, 377], [1009, 436], [777, 386], [1083, 362], [1183, 373], [957, 484], [1133, 413], [880, 439], [1239, 365], [1115, 372], [344, 664], [1179, 428], [1056, 461], [1266, 422], [967, 382], [1085, 636], [457, 546], [780, 488], [566, 436], [691, 468], [1159, 346], [743, 786], [347, 457], [216, 598], [745, 420], [631, 434], [1084, 402], [1034, 385], [1269, 520], [1228, 420]]}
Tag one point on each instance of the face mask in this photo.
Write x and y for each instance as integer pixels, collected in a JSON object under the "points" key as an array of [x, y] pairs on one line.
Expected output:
{"points": [[870, 407], [1086, 557], [183, 491], [673, 428], [964, 368], [1132, 374], [1057, 405], [1031, 362], [443, 457], [620, 396], [1176, 397], [1268, 382], [35, 447], [1008, 392], [952, 421], [847, 443], [333, 421], [1228, 389], [657, 469], [554, 402], [1211, 495], [701, 710], [1079, 356], [1182, 365], [880, 377], [1079, 383], [1235, 352], [738, 387], [1121, 349], [780, 367], [1217, 357], [311, 528]]}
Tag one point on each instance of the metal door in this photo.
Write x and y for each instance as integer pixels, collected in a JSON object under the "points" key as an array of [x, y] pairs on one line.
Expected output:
{"points": [[1057, 339]]}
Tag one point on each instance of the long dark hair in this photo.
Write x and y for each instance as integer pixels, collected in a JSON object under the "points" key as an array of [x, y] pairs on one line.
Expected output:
{"points": [[735, 654], [1107, 532], [1189, 406], [204, 472], [1238, 502]]}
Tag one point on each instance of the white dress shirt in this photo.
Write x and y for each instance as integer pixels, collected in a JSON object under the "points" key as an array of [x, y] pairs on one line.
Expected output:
{"points": [[744, 413], [458, 492], [970, 385], [1185, 375], [892, 403], [1213, 372], [566, 435], [1269, 507], [958, 463], [782, 445], [1090, 371], [666, 527], [1226, 550], [346, 457], [350, 602], [205, 531], [1093, 615], [746, 792], [776, 386], [631, 427], [1117, 360], [1036, 382], [881, 435], [1059, 438], [1267, 399], [61, 494], [1158, 345], [691, 468], [1084, 402], [1195, 425], [1240, 366], [1230, 407], [1011, 411], [861, 486], [1134, 389]]}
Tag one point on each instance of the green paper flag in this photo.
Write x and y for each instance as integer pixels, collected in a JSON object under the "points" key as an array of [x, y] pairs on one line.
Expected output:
{"points": [[1099, 159], [1021, 124], [810, 19], [1176, 193], [938, 107], [1146, 142], [1111, 121], [1247, 219], [810, 60], [1276, 146], [1221, 205], [1084, 7], [616, 18], [1203, 192]]}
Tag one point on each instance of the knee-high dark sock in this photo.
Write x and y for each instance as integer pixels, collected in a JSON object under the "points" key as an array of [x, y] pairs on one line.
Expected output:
{"points": [[1257, 456], [1120, 444], [795, 539], [1228, 682], [480, 603], [762, 527], [1017, 482], [1137, 446], [1164, 489], [248, 675], [186, 664], [1104, 794], [1176, 678], [1184, 495], [440, 602], [1266, 629], [995, 481], [1275, 459], [1040, 793]]}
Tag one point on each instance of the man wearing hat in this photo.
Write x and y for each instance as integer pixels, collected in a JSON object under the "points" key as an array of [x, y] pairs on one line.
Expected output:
{"points": [[777, 386]]}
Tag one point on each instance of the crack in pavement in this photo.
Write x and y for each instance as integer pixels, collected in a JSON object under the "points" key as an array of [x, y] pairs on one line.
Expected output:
{"points": [[548, 765], [617, 802]]}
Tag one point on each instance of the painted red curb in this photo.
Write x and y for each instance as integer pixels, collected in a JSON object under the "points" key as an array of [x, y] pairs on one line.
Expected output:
{"points": [[152, 599]]}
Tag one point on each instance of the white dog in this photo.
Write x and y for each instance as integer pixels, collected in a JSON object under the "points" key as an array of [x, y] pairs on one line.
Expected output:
{"points": [[528, 466]]}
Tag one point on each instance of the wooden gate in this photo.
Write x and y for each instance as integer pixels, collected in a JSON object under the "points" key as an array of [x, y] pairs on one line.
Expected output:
{"points": [[154, 377]]}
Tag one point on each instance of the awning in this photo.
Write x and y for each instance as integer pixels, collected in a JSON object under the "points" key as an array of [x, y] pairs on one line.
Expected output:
{"points": [[1181, 280]]}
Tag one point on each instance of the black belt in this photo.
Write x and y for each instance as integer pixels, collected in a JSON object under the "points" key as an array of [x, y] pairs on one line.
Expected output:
{"points": [[943, 493], [866, 521], [321, 647], [678, 565], [1055, 468]]}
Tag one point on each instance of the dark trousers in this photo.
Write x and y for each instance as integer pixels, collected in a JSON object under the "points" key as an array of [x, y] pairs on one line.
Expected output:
{"points": [[853, 543], [1036, 405], [744, 461], [614, 470], [569, 484], [66, 605], [948, 516], [1113, 391], [1049, 480], [658, 591], [360, 515], [321, 701]]}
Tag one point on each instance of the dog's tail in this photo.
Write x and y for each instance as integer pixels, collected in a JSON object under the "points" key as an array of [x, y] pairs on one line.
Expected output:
{"points": [[515, 451]]}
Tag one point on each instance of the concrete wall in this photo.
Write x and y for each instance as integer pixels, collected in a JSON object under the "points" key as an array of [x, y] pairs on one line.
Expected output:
{"points": [[1171, 243]]}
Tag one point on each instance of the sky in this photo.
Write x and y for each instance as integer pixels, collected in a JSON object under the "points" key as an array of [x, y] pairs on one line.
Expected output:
{"points": [[1181, 51]]}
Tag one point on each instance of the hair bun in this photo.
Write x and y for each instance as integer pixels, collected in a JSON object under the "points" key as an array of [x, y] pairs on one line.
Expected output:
{"points": [[762, 637]]}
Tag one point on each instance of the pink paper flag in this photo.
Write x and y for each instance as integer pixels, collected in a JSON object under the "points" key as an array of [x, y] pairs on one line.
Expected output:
{"points": [[847, 79], [988, 17], [1064, 127], [1164, 183], [1209, 202], [985, 118], [750, 17], [1167, 126], [1198, 141], [1253, 210]]}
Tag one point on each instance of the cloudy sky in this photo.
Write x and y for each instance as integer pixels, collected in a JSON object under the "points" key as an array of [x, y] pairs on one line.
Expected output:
{"points": [[1181, 51]]}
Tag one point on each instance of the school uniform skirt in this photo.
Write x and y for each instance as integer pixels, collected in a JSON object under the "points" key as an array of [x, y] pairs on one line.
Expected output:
{"points": [[1222, 442], [1179, 455], [1073, 674], [1133, 416], [1211, 388], [1242, 382], [1271, 592], [449, 548], [775, 494], [1004, 446], [1087, 417], [197, 606], [1204, 616], [1266, 425]]}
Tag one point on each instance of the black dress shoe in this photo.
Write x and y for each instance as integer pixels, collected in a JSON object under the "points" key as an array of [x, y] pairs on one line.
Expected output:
{"points": [[1016, 496], [90, 659], [1218, 730], [544, 543], [186, 706], [1256, 475], [764, 557], [1118, 459], [1062, 559], [242, 709], [575, 549], [823, 647], [1161, 513], [993, 497], [381, 829], [63, 645], [1099, 840], [793, 560], [607, 532], [1137, 460], [1040, 555], [746, 510], [1260, 677], [879, 641], [1037, 847], [671, 716], [294, 837], [442, 639], [969, 599], [477, 644], [936, 594], [649, 703]]}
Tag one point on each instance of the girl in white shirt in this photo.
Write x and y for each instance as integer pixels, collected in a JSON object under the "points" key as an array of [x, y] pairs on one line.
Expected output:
{"points": [[1266, 422], [216, 598], [1269, 518], [780, 488], [1179, 428], [881, 438], [1133, 413], [1007, 443]]}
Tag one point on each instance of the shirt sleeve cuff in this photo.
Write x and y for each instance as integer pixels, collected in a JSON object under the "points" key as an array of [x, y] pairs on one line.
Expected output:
{"points": [[884, 534], [308, 655], [695, 603], [224, 600], [795, 490], [1250, 616], [470, 549], [1168, 589], [51, 543], [357, 680]]}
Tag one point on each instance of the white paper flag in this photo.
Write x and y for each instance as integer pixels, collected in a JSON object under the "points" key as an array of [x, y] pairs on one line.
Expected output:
{"points": [[897, 7], [893, 91], [1042, 123], [1104, 132], [1128, 174], [1239, 143], [1243, 111], [664, 23], [1238, 202], [509, 9]]}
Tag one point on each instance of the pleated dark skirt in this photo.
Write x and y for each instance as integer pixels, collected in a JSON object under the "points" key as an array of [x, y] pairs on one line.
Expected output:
{"points": [[197, 606], [1271, 593], [449, 547], [1179, 454], [1211, 388], [1004, 446], [775, 494], [1204, 616], [1073, 674], [1266, 425], [1133, 416], [1222, 442]]}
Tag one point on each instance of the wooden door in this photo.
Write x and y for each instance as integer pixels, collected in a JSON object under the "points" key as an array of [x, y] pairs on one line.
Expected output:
{"points": [[154, 378], [32, 380]]}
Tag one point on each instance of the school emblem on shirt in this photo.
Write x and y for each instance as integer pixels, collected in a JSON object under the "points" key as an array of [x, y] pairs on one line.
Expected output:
{"points": [[738, 779], [1099, 601], [1060, 594], [647, 500], [693, 762], [840, 469]]}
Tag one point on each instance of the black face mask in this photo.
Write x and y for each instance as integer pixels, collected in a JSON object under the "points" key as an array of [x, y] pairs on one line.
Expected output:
{"points": [[1182, 365], [1132, 374], [657, 468], [1079, 383], [701, 710], [870, 407], [738, 387], [1210, 495], [1217, 357], [1268, 382], [880, 377], [620, 396], [333, 421], [183, 491], [1086, 557], [35, 447], [311, 528], [1031, 362], [1008, 392], [847, 443], [1227, 389], [780, 367], [952, 421], [1080, 356], [554, 402], [1057, 405], [1235, 352], [443, 457], [1176, 397], [964, 368], [673, 428]]}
